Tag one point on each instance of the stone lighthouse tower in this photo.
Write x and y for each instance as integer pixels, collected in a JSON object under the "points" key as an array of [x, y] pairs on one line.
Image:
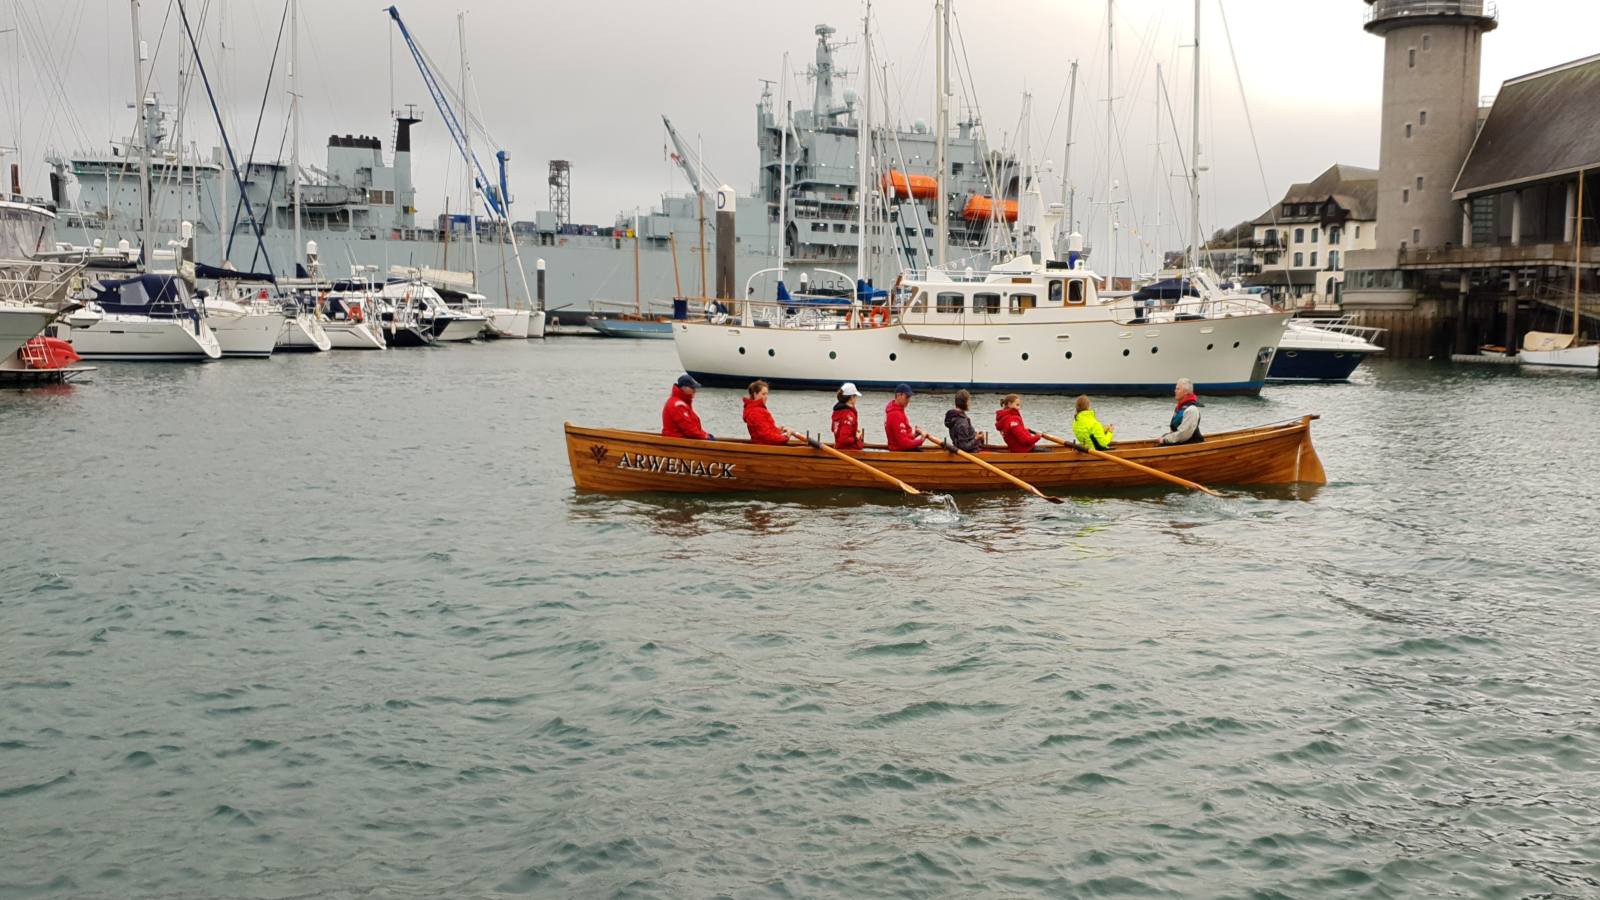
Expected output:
{"points": [[1430, 112]]}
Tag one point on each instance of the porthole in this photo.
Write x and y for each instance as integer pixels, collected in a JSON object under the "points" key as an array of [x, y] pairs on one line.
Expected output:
{"points": [[1209, 346], [1125, 352], [741, 351], [1293, 354], [1335, 356], [833, 354], [893, 357], [1069, 354], [1235, 345], [1154, 350], [771, 352], [1024, 357]]}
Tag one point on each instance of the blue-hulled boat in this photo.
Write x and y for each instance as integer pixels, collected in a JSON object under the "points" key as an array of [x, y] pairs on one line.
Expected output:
{"points": [[643, 327]]}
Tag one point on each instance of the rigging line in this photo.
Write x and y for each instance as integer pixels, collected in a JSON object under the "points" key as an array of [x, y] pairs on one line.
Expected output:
{"points": [[1238, 77], [226, 144], [272, 186], [250, 160], [1177, 142]]}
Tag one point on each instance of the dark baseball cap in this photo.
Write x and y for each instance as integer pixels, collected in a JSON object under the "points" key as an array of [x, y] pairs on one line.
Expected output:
{"points": [[903, 388], [687, 381]]}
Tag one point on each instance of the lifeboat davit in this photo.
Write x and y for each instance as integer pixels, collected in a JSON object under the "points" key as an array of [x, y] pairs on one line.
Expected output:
{"points": [[921, 187], [983, 208]]}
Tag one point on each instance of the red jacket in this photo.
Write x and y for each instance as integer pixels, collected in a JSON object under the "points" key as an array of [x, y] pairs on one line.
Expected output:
{"points": [[1008, 422], [762, 429], [678, 418], [895, 424], [845, 426]]}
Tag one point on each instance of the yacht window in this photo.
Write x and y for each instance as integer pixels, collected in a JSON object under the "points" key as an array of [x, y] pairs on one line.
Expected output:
{"points": [[988, 304], [1023, 301], [951, 302], [1075, 291], [1055, 290]]}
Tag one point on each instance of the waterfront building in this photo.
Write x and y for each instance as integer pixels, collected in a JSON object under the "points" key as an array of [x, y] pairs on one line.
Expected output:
{"points": [[1299, 246]]}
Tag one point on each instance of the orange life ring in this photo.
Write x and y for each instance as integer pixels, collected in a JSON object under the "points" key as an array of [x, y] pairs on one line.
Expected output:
{"points": [[880, 316], [355, 312]]}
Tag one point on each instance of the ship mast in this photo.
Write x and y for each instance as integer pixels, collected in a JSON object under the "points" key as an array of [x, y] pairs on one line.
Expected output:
{"points": [[224, 221], [472, 205], [1194, 152], [1069, 194], [941, 14], [1577, 262], [864, 148], [1111, 135], [141, 134], [294, 110], [783, 170]]}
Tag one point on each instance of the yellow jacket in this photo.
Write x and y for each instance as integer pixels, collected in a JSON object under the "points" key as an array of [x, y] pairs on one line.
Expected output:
{"points": [[1086, 430]]}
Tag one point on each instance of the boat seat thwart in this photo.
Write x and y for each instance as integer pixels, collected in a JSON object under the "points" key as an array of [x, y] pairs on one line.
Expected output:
{"points": [[615, 461]]}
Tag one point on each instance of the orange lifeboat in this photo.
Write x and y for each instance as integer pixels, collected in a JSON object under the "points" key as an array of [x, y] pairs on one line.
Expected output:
{"points": [[983, 208], [922, 187]]}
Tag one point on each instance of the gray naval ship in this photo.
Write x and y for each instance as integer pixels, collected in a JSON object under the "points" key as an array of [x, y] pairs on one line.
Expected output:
{"points": [[360, 208]]}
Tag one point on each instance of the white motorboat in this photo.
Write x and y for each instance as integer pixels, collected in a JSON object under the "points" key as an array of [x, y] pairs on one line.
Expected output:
{"points": [[433, 313], [146, 317], [354, 320], [247, 329], [19, 323]]}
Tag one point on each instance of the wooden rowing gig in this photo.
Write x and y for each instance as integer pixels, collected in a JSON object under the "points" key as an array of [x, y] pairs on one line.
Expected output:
{"points": [[610, 460]]}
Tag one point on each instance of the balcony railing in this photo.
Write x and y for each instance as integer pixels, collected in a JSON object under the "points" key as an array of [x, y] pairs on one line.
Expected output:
{"points": [[1401, 9]]}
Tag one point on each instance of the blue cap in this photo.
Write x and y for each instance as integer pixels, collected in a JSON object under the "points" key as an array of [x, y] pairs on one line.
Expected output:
{"points": [[903, 388], [687, 381]]}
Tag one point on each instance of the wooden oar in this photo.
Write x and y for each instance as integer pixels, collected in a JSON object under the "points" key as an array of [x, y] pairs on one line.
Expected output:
{"points": [[877, 473], [992, 468], [1181, 482]]}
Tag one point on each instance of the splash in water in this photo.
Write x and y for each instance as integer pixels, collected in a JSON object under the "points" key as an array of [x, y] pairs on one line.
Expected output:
{"points": [[942, 511]]}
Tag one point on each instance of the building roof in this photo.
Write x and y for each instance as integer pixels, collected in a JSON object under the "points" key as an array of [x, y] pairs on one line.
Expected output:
{"points": [[1352, 187], [1542, 125]]}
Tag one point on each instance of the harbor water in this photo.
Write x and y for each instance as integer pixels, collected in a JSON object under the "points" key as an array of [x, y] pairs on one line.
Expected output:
{"points": [[338, 625]]}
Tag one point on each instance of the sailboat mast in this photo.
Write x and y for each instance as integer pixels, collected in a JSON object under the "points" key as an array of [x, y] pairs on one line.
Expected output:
{"points": [[700, 193], [941, 14], [638, 307], [864, 148], [224, 220], [294, 109], [472, 200], [1577, 261], [1068, 193], [1194, 152], [783, 187], [1111, 136], [146, 239]]}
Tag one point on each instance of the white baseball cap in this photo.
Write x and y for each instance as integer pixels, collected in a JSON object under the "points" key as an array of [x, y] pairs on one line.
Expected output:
{"points": [[849, 390]]}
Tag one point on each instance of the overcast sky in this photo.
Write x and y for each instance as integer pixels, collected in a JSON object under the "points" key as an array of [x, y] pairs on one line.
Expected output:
{"points": [[588, 82]]}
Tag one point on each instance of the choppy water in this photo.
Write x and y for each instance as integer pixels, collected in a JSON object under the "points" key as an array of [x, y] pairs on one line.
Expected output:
{"points": [[339, 626]]}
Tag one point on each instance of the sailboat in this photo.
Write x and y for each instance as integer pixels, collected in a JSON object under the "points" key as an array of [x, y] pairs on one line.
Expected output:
{"points": [[1562, 350]]}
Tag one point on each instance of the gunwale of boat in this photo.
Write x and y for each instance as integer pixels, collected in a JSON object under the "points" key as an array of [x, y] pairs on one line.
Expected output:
{"points": [[1279, 453]]}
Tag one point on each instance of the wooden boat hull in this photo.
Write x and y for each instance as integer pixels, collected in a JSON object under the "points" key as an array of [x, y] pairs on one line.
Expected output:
{"points": [[613, 461]]}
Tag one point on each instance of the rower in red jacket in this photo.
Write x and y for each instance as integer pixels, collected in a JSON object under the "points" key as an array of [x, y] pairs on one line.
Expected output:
{"points": [[757, 418], [847, 433], [678, 418], [897, 426], [1008, 421]]}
